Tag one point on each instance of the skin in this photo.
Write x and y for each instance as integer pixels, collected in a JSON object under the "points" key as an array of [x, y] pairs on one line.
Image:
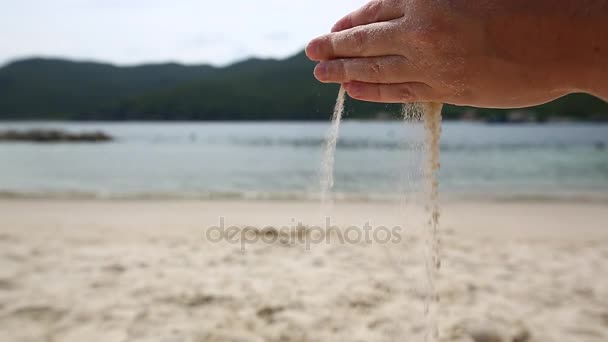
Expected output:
{"points": [[491, 53]]}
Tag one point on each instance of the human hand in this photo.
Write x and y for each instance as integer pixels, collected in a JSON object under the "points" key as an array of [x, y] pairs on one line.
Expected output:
{"points": [[498, 53]]}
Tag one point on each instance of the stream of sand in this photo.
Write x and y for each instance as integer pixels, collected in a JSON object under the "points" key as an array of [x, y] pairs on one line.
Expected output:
{"points": [[327, 164], [430, 115]]}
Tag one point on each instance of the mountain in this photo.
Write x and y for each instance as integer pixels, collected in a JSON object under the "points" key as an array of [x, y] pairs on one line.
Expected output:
{"points": [[255, 89], [50, 88]]}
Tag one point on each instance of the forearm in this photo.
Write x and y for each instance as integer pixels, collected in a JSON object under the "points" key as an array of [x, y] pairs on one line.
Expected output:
{"points": [[568, 39], [597, 73], [589, 36]]}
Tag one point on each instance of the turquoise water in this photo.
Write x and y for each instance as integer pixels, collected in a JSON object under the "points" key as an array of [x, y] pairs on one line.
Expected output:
{"points": [[281, 160]]}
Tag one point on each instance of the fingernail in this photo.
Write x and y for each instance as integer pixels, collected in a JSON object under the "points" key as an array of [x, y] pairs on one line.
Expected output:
{"points": [[313, 49], [321, 71]]}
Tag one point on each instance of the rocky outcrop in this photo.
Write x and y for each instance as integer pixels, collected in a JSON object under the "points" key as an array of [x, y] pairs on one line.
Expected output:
{"points": [[51, 136]]}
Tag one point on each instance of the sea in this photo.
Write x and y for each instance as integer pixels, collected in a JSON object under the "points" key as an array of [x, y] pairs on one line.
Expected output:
{"points": [[375, 160]]}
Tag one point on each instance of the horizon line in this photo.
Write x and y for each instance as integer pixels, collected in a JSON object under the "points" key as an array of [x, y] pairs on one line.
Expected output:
{"points": [[146, 63]]}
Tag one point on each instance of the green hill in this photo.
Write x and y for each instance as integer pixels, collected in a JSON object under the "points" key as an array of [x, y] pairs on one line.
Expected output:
{"points": [[254, 89]]}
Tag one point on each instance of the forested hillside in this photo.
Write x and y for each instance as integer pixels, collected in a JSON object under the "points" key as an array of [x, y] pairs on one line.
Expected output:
{"points": [[254, 89]]}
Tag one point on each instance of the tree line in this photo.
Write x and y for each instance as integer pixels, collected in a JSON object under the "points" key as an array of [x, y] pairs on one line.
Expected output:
{"points": [[254, 89]]}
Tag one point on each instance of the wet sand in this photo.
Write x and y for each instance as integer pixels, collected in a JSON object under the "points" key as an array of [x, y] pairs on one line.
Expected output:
{"points": [[145, 271]]}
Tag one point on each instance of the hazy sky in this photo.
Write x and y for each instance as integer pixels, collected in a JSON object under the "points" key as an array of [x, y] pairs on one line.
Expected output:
{"points": [[188, 31]]}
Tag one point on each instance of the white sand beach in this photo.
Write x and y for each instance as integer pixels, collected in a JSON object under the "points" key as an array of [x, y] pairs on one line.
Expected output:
{"points": [[113, 270]]}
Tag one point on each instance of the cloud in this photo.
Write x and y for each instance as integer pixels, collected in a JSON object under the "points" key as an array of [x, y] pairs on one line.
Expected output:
{"points": [[187, 31], [277, 36]]}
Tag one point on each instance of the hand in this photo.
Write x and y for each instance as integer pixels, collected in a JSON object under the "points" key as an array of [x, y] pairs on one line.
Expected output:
{"points": [[495, 53]]}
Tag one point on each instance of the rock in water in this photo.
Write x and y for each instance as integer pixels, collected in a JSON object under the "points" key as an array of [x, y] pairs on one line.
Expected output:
{"points": [[52, 136]]}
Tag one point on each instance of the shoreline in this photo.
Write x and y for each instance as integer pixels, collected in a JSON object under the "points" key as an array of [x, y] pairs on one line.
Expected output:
{"points": [[546, 217], [445, 197]]}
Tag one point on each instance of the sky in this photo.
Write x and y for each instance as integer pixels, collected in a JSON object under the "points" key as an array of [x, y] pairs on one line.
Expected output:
{"points": [[128, 32]]}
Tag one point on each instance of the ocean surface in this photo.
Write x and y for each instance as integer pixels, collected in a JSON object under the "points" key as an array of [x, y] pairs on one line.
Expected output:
{"points": [[280, 160]]}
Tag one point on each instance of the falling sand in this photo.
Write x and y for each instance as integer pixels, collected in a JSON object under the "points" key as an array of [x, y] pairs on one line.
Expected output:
{"points": [[432, 124], [327, 164], [430, 114]]}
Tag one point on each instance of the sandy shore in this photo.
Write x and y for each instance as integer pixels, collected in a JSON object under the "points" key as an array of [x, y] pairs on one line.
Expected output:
{"points": [[150, 271]]}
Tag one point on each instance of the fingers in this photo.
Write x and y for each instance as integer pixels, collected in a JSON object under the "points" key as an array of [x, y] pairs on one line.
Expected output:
{"points": [[391, 93], [371, 40], [389, 69], [372, 12]]}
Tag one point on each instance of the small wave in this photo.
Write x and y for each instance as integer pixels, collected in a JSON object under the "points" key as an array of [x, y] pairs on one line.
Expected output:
{"points": [[358, 144], [219, 196], [586, 197]]}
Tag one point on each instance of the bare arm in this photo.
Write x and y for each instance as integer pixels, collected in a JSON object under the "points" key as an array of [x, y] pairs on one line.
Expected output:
{"points": [[494, 53]]}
